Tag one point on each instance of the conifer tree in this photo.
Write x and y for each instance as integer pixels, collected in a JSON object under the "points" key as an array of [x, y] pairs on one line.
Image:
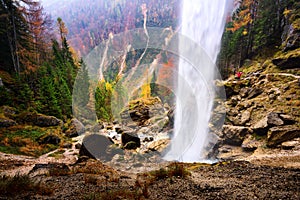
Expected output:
{"points": [[48, 103], [81, 88]]}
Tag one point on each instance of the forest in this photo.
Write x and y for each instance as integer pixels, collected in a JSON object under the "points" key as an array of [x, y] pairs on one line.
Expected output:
{"points": [[38, 66], [39, 56]]}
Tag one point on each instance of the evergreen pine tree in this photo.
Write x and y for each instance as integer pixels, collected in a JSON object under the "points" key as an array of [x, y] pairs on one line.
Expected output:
{"points": [[81, 92]]}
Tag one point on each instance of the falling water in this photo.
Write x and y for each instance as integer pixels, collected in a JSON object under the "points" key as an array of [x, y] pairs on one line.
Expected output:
{"points": [[203, 23]]}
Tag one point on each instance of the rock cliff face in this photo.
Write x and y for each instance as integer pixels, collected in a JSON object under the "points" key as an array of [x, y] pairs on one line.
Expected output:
{"points": [[263, 106]]}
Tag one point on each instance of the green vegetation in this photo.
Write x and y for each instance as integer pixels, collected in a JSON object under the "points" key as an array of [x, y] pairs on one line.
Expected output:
{"points": [[24, 140], [257, 31], [173, 170], [37, 70]]}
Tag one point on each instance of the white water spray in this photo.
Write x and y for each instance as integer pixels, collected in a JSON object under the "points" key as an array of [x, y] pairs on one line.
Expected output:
{"points": [[203, 22]]}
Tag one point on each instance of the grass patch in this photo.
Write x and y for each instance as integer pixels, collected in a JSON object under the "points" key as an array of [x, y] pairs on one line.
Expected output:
{"points": [[173, 170], [23, 140], [20, 184]]}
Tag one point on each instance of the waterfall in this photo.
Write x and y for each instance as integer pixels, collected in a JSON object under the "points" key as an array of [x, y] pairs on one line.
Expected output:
{"points": [[202, 22]]}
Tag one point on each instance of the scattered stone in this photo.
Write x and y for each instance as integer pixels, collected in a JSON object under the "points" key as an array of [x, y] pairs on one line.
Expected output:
{"points": [[254, 93], [75, 129], [288, 120], [140, 110], [77, 146], [144, 130], [277, 135], [96, 128], [109, 127], [39, 119], [148, 139], [272, 119], [250, 143], [159, 145], [8, 112], [131, 145], [67, 145], [245, 117], [128, 137], [47, 121], [61, 167], [118, 129], [50, 139], [4, 123], [234, 135], [290, 144], [244, 92]]}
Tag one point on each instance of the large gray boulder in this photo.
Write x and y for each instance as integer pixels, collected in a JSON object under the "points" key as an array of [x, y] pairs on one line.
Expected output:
{"points": [[97, 147]]}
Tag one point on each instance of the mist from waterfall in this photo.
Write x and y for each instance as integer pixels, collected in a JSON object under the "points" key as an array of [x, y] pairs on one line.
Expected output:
{"points": [[202, 22]]}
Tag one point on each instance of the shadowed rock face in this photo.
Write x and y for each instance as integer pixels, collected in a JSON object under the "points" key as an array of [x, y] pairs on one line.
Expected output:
{"points": [[287, 63]]}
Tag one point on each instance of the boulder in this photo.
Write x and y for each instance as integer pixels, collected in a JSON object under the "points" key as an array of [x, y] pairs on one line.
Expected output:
{"points": [[39, 119], [75, 129], [254, 93], [140, 110], [4, 123], [277, 135], [291, 38], [290, 144], [131, 145], [171, 116], [47, 121], [234, 135], [77, 146], [130, 137], [244, 92], [96, 146], [289, 61], [287, 119], [250, 143], [159, 145], [67, 145], [8, 112], [272, 119]]}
